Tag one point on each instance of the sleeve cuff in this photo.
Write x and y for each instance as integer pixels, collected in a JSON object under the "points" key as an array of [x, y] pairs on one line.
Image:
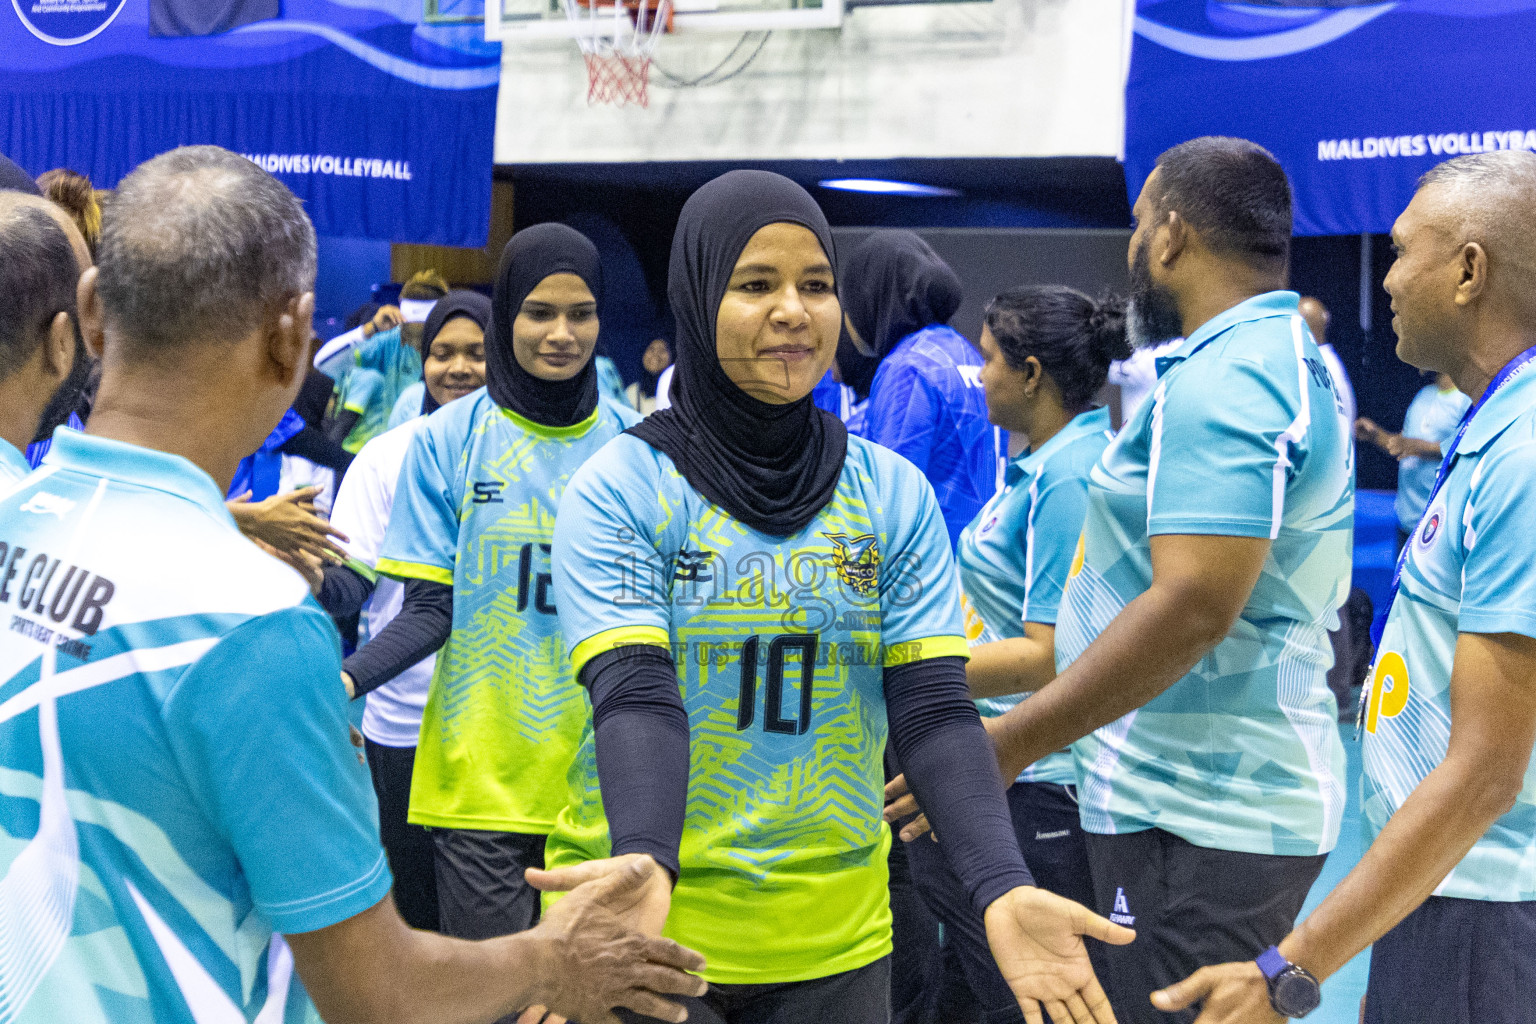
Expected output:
{"points": [[1490, 621], [346, 901], [414, 571], [908, 651], [1209, 526], [994, 889], [613, 639]]}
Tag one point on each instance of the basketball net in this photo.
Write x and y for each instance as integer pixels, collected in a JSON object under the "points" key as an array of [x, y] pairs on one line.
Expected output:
{"points": [[617, 43]]}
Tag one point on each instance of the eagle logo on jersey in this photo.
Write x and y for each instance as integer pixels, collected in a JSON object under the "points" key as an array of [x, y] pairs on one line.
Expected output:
{"points": [[857, 561]]}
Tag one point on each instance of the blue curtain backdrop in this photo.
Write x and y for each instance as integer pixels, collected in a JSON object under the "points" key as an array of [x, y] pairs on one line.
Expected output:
{"points": [[1356, 100], [381, 122]]}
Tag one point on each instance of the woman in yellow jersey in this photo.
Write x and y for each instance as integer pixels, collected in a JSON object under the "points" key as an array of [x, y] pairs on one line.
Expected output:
{"points": [[756, 601]]}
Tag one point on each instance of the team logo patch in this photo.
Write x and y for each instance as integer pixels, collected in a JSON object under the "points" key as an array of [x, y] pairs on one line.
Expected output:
{"points": [[857, 561], [694, 567], [1430, 529], [986, 527]]}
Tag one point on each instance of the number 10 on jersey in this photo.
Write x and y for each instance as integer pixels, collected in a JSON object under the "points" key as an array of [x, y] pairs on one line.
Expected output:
{"points": [[773, 698]]}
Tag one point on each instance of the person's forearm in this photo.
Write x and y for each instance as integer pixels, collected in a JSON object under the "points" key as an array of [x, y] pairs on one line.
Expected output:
{"points": [[1427, 837], [640, 731], [1149, 646], [423, 626], [1420, 449], [1015, 665], [940, 744], [417, 977]]}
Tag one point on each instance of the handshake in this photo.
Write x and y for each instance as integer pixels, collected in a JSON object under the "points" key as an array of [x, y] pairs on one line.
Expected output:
{"points": [[600, 947]]}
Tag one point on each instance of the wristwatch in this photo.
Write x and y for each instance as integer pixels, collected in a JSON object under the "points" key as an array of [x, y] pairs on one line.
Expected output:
{"points": [[1293, 991]]}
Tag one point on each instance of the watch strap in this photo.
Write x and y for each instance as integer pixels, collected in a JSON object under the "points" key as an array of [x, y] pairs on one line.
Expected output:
{"points": [[1271, 962]]}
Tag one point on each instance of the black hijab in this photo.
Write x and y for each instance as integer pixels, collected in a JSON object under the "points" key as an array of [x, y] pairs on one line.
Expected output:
{"points": [[773, 467], [893, 285], [466, 304], [532, 255]]}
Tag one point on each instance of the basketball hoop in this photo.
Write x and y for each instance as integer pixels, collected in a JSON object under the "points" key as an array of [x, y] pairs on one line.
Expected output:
{"points": [[617, 42]]}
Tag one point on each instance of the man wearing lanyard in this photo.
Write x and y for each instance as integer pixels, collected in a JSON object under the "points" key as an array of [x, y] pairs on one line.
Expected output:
{"points": [[1447, 889]]}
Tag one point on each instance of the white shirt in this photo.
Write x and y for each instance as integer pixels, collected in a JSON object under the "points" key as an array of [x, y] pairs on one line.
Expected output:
{"points": [[1341, 385], [1137, 376], [664, 388], [392, 716], [298, 472]]}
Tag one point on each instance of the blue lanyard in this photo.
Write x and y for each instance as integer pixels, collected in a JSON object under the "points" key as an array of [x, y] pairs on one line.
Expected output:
{"points": [[1503, 377], [1379, 627]]}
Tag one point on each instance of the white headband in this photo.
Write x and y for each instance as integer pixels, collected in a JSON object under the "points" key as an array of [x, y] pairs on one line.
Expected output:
{"points": [[416, 311]]}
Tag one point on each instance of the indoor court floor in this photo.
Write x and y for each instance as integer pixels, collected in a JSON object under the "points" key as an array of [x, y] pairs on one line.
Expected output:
{"points": [[1342, 992]]}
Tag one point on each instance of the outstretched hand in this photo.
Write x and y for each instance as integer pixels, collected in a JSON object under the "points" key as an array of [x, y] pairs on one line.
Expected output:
{"points": [[1037, 941], [290, 523], [604, 956]]}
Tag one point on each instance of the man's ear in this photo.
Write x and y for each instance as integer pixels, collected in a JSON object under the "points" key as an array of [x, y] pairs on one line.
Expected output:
{"points": [[1176, 231], [1472, 273], [288, 339], [59, 346], [92, 326]]}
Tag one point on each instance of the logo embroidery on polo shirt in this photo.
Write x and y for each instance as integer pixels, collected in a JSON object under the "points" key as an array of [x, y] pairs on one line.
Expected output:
{"points": [[1431, 529], [1041, 837], [44, 504], [1122, 914], [857, 561], [986, 527]]}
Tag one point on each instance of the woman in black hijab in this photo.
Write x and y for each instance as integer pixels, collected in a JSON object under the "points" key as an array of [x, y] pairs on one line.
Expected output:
{"points": [[754, 600], [453, 348], [925, 399], [469, 534]]}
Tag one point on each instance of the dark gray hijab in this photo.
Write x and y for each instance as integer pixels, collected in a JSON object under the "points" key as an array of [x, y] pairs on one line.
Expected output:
{"points": [[773, 467], [532, 255]]}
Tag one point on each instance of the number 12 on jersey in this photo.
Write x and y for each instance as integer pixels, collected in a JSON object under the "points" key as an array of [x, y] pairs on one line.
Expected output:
{"points": [[773, 698]]}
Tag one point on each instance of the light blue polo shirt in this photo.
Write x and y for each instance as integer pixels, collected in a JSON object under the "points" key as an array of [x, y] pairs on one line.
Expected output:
{"points": [[1433, 415], [1471, 568], [176, 778], [1243, 437], [1015, 555], [13, 465]]}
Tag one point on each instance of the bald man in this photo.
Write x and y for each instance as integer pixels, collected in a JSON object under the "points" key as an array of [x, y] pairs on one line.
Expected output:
{"points": [[1447, 889], [42, 255], [1317, 317]]}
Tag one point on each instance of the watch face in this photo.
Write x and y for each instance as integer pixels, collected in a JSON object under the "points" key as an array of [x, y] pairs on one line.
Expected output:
{"points": [[1296, 993]]}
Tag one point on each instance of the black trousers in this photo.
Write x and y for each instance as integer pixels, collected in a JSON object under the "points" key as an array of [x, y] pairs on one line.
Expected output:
{"points": [[1045, 819], [860, 996], [407, 846], [481, 892], [1191, 907], [1455, 961]]}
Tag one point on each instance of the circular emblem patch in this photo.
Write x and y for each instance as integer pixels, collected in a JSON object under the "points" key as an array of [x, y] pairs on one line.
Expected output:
{"points": [[1431, 528], [67, 22]]}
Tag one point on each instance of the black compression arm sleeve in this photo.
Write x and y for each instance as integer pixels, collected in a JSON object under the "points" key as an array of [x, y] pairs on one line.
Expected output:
{"points": [[641, 729], [952, 770], [423, 625], [343, 591], [339, 426]]}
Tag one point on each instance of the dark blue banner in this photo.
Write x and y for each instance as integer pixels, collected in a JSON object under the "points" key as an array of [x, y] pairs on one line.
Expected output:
{"points": [[381, 121], [1356, 100]]}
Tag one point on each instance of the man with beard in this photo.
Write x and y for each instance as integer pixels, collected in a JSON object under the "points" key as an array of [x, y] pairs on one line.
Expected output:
{"points": [[41, 257], [1192, 638]]}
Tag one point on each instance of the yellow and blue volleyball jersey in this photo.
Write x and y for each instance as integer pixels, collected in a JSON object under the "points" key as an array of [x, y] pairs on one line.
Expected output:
{"points": [[1471, 568], [1015, 555], [176, 778], [1243, 436], [780, 645], [475, 509]]}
